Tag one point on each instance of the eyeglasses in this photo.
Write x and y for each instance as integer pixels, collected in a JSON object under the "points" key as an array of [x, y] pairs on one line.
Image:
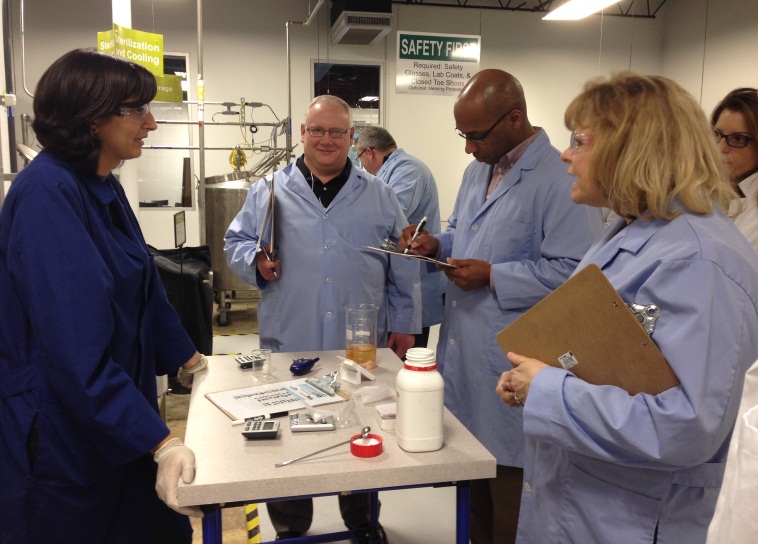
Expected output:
{"points": [[480, 138], [579, 140], [362, 152], [732, 140], [318, 132], [137, 114]]}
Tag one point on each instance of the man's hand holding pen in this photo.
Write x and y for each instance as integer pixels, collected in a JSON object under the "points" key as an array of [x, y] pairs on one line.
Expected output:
{"points": [[468, 275], [268, 265], [423, 244]]}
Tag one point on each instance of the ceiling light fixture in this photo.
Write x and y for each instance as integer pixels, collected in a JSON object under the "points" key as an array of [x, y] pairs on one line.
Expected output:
{"points": [[577, 9]]}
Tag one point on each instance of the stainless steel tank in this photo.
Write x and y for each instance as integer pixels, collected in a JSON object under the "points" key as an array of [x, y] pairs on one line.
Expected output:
{"points": [[224, 197]]}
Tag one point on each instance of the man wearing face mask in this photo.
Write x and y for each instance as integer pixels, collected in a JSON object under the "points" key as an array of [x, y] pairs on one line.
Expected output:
{"points": [[514, 236], [416, 189]]}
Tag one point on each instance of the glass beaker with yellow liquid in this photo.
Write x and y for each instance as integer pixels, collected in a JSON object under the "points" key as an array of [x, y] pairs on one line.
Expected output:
{"points": [[360, 334]]}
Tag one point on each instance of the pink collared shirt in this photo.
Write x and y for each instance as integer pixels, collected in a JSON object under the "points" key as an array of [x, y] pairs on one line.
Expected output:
{"points": [[508, 160]]}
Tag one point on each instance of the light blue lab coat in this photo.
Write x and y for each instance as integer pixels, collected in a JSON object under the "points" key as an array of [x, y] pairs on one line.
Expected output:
{"points": [[323, 266], [603, 466], [416, 190], [534, 236]]}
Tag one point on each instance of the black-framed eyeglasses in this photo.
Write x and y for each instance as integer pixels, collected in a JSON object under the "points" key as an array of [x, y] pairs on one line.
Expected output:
{"points": [[732, 140], [479, 138], [362, 152], [137, 114], [318, 132], [579, 140]]}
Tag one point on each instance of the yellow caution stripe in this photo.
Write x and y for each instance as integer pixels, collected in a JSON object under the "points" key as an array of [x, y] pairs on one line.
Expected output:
{"points": [[253, 524]]}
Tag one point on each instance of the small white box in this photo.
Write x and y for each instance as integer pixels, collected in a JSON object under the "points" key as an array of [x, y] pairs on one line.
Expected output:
{"points": [[386, 415]]}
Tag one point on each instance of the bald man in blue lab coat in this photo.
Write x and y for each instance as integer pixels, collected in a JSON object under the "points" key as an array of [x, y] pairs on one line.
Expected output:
{"points": [[514, 235]]}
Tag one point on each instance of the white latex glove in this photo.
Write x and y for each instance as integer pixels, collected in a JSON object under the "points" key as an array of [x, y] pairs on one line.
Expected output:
{"points": [[185, 376], [175, 460]]}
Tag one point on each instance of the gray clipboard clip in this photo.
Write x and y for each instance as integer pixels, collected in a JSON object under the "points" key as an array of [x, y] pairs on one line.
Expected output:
{"points": [[326, 384], [646, 315], [389, 245]]}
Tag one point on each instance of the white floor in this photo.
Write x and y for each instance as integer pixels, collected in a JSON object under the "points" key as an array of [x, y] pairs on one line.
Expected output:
{"points": [[409, 516]]}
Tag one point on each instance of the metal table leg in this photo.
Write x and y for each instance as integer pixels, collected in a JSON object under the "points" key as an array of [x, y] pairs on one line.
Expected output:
{"points": [[212, 527], [462, 512]]}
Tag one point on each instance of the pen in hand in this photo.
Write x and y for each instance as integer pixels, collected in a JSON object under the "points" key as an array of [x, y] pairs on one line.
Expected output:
{"points": [[419, 228], [268, 256]]}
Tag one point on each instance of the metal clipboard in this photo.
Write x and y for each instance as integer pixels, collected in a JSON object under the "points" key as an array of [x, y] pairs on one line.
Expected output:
{"points": [[268, 225]]}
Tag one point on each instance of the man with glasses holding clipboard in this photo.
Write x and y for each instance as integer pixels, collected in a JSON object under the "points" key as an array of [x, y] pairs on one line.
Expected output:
{"points": [[514, 236], [325, 210]]}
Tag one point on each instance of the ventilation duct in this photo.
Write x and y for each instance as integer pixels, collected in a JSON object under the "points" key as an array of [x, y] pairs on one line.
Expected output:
{"points": [[360, 22]]}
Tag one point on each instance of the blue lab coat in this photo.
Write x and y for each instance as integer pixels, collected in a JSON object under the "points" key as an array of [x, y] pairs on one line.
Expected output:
{"points": [[604, 466], [534, 236], [323, 267], [416, 190], [85, 328]]}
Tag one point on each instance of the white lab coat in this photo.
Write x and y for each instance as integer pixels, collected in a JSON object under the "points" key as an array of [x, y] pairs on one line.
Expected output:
{"points": [[323, 266], [735, 520], [747, 221]]}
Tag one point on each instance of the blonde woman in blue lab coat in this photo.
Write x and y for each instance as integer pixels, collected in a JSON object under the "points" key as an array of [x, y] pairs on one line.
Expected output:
{"points": [[601, 465], [86, 326]]}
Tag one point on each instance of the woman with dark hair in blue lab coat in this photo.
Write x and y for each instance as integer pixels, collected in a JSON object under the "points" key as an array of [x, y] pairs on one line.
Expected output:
{"points": [[86, 326]]}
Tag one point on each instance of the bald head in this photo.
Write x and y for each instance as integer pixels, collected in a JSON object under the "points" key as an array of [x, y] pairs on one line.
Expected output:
{"points": [[491, 112], [492, 89]]}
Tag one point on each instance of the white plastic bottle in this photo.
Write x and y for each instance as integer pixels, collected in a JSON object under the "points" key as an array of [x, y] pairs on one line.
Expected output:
{"points": [[420, 402]]}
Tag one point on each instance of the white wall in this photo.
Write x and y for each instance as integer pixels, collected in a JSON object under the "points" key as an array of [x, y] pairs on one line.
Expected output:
{"points": [[244, 51], [552, 60], [716, 58]]}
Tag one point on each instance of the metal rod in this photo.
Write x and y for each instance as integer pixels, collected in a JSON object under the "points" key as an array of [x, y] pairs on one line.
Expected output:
{"points": [[214, 123], [289, 84], [10, 88], [264, 149], [201, 128], [23, 52], [364, 433]]}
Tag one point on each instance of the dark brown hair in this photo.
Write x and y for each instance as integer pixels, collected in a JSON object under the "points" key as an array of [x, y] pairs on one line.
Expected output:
{"points": [[81, 86], [744, 101]]}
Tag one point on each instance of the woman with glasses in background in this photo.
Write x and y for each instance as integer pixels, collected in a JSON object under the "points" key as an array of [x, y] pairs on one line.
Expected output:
{"points": [[86, 326], [735, 125], [601, 464]]}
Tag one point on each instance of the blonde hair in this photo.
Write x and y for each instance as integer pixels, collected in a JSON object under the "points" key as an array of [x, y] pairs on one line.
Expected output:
{"points": [[652, 145], [326, 98]]}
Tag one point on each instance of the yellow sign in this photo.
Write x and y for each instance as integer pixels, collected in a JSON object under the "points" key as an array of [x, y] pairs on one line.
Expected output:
{"points": [[169, 88], [143, 48]]}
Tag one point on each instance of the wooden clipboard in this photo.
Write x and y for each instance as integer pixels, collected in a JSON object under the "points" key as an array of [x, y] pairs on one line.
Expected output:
{"points": [[585, 323]]}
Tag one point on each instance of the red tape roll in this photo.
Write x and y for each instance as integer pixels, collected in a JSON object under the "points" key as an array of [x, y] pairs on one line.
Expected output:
{"points": [[370, 446]]}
